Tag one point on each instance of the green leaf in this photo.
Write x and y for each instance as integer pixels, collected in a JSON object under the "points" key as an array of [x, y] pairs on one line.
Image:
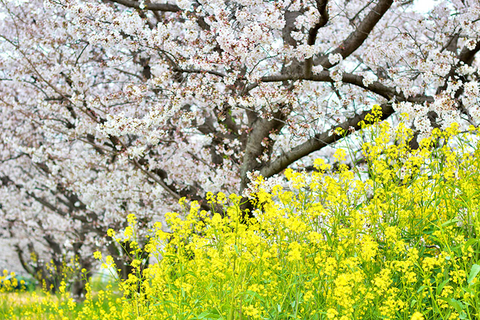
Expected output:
{"points": [[440, 287], [473, 273], [456, 304], [412, 303], [421, 288], [450, 222], [471, 242]]}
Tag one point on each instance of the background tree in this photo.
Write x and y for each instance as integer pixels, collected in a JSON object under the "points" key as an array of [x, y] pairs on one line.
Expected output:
{"points": [[117, 107]]}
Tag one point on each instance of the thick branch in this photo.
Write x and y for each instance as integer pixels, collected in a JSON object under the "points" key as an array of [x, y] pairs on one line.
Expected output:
{"points": [[12, 158], [357, 37], [6, 181], [54, 245]]}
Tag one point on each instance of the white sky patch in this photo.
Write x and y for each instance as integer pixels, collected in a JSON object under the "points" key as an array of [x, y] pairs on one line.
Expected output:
{"points": [[424, 6]]}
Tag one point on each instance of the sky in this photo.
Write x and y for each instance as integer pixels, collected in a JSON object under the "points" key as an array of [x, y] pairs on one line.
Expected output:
{"points": [[425, 5]]}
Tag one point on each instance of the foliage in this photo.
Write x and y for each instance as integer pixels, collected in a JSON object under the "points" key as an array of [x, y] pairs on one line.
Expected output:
{"points": [[400, 241]]}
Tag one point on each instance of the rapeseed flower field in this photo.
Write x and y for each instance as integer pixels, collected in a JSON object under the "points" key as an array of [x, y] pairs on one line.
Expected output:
{"points": [[399, 240]]}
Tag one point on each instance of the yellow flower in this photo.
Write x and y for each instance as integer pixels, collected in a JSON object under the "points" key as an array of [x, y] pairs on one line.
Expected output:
{"points": [[340, 155], [369, 248], [294, 253], [209, 196], [417, 316], [111, 233], [331, 313], [308, 295], [97, 255], [320, 165], [221, 198], [234, 198], [132, 219], [288, 173], [109, 261], [128, 232], [182, 201], [136, 263], [339, 131]]}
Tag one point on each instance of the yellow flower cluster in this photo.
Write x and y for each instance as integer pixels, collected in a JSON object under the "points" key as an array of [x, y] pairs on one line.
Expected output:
{"points": [[331, 246]]}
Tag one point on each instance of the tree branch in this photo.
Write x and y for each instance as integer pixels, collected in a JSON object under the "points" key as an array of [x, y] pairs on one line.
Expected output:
{"points": [[357, 37], [324, 76], [320, 141], [12, 158], [467, 55], [24, 264], [216, 73], [255, 148], [154, 178], [149, 6], [312, 34]]}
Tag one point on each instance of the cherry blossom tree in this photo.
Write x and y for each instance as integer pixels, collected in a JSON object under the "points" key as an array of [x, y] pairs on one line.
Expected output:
{"points": [[123, 106]]}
